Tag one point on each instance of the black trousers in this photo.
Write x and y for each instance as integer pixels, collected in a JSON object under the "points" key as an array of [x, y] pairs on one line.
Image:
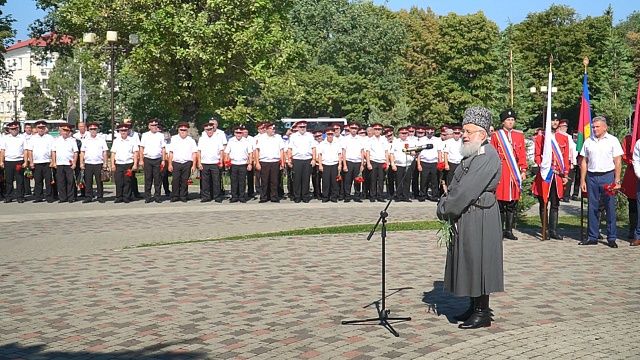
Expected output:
{"points": [[330, 185], [429, 180], [152, 176], [404, 179], [42, 179], [366, 173], [11, 174], [123, 182], [258, 182], [415, 180], [301, 177], [376, 184], [179, 186], [316, 179], [353, 170], [210, 182], [66, 185], [450, 172], [239, 182], [576, 181], [250, 182], [93, 172], [269, 172], [165, 179], [76, 174], [554, 200], [391, 182]]}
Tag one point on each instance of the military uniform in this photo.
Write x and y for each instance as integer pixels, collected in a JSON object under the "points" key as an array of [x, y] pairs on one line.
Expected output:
{"points": [[64, 154], [14, 151], [124, 160], [630, 184]]}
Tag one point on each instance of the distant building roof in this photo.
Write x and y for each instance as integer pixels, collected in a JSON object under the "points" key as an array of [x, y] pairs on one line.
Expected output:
{"points": [[41, 42]]}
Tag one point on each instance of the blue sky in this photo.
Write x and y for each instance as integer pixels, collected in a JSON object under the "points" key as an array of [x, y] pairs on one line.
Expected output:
{"points": [[500, 11]]}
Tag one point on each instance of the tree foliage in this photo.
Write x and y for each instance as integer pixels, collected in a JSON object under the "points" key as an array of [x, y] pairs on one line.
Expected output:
{"points": [[34, 102], [6, 34]]}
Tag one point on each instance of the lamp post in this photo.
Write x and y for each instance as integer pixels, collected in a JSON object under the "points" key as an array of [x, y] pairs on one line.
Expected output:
{"points": [[15, 100], [112, 46]]}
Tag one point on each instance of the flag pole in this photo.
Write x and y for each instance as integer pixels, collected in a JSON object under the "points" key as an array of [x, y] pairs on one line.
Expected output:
{"points": [[545, 221], [585, 62], [511, 74]]}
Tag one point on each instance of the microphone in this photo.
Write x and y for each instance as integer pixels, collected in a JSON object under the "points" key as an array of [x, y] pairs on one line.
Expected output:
{"points": [[418, 148]]}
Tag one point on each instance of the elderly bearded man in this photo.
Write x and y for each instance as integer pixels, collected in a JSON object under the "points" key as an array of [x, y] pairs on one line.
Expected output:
{"points": [[474, 258]]}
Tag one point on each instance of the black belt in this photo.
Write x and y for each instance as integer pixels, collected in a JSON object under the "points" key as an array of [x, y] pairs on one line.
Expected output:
{"points": [[596, 173]]}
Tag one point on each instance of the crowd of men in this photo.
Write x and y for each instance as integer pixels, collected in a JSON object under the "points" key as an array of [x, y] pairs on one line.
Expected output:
{"points": [[344, 162]]}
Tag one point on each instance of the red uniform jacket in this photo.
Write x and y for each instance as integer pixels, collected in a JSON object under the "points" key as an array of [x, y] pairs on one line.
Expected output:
{"points": [[508, 188], [563, 144], [629, 181]]}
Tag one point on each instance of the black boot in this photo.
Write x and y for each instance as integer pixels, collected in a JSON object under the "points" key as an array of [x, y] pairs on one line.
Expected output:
{"points": [[553, 224], [633, 222], [481, 316], [503, 217], [509, 221], [467, 314]]}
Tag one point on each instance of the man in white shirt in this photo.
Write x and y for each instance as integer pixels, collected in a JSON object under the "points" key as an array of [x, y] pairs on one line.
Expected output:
{"points": [[427, 165], [316, 175], [270, 159], [210, 155], [238, 153], [353, 155], [93, 159], [64, 154], [134, 135], [40, 146], [377, 155], [390, 176], [601, 166], [14, 159], [573, 158], [329, 165], [301, 156], [183, 156], [124, 161], [452, 153], [152, 151], [402, 164], [80, 135]]}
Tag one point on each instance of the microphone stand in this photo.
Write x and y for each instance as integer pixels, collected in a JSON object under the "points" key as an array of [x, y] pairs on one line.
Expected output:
{"points": [[383, 313]]}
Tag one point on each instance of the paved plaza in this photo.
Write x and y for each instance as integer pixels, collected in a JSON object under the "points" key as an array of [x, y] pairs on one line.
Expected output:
{"points": [[68, 294]]}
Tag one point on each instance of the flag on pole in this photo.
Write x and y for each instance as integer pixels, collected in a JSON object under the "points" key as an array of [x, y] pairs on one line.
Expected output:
{"points": [[546, 169], [634, 134], [584, 122]]}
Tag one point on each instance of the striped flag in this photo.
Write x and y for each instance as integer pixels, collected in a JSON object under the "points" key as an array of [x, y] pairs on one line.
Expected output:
{"points": [[584, 122], [546, 169]]}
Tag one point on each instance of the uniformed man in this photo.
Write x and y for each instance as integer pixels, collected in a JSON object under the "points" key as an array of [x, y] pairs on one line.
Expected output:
{"points": [[330, 166], [164, 168], [183, 154], [40, 146], [427, 165], [563, 126], [316, 174], [135, 193], [560, 168], [390, 176], [124, 161], [239, 153], [402, 163], [210, 163], [353, 160], [251, 176], [474, 264], [93, 159], [64, 154], [601, 166], [271, 158], [452, 153], [415, 174], [338, 128], [630, 185], [152, 153], [14, 159], [510, 146], [301, 154], [377, 155], [27, 133]]}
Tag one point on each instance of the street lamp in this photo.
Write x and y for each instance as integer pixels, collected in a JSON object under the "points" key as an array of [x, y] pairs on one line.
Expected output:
{"points": [[112, 46], [15, 100]]}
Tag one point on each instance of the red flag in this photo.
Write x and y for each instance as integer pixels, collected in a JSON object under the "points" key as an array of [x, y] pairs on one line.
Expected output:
{"points": [[634, 134]]}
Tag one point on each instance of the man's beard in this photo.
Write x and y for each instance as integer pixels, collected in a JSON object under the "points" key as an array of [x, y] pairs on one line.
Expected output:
{"points": [[470, 148]]}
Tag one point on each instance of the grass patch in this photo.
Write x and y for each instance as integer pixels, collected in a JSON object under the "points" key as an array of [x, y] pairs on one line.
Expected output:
{"points": [[529, 222]]}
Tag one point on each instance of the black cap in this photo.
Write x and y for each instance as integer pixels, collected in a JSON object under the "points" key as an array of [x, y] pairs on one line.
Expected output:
{"points": [[555, 115], [509, 113]]}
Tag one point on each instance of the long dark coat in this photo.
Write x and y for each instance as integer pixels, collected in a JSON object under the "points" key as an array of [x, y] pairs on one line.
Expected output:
{"points": [[474, 262]]}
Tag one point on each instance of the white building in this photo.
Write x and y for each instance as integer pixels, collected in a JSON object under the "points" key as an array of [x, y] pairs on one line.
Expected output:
{"points": [[21, 62]]}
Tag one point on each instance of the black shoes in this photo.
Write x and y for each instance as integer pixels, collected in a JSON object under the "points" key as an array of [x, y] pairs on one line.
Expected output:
{"points": [[87, 200], [588, 242], [554, 235], [509, 235], [481, 315], [612, 244]]}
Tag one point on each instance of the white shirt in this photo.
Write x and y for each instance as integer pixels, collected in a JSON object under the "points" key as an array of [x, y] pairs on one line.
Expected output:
{"points": [[330, 152], [239, 150], [65, 150], [153, 144], [401, 158], [40, 147], [430, 155], [79, 136], [301, 146], [453, 148], [210, 148], [377, 149], [124, 149], [183, 149], [353, 146], [93, 147], [636, 158], [599, 153], [269, 147], [14, 147]]}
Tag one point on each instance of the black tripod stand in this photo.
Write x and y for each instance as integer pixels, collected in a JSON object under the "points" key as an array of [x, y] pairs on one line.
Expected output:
{"points": [[383, 313]]}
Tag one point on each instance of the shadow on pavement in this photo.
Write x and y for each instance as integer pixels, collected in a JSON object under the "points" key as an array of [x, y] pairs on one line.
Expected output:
{"points": [[39, 352], [442, 302]]}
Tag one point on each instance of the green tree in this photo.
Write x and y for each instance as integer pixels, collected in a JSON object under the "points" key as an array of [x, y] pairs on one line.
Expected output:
{"points": [[630, 30], [6, 34], [35, 103]]}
